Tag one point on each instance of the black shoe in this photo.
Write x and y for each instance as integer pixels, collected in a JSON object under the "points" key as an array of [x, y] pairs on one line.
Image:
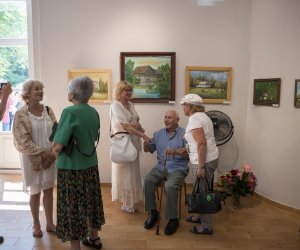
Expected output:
{"points": [[172, 226], [1, 239], [151, 220]]}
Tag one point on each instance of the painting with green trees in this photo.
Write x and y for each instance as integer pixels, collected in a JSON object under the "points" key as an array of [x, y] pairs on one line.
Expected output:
{"points": [[266, 92], [151, 75], [102, 82]]}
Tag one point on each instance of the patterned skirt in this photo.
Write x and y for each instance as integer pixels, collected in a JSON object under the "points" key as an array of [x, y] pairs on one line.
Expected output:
{"points": [[79, 203]]}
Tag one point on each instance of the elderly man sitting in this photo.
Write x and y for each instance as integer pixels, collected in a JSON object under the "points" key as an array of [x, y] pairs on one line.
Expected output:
{"points": [[171, 167]]}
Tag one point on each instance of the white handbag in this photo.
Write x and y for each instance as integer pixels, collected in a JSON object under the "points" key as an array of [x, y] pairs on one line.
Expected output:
{"points": [[122, 149]]}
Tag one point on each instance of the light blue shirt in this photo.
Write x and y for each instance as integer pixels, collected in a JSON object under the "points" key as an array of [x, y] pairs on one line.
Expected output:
{"points": [[161, 141]]}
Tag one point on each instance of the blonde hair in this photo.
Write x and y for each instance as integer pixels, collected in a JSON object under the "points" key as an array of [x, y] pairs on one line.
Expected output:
{"points": [[121, 86], [27, 86]]}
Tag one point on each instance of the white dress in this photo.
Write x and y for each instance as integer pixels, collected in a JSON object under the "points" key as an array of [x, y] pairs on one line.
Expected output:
{"points": [[126, 178], [42, 179]]}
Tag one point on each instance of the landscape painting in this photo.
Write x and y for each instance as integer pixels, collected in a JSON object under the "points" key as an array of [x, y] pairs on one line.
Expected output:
{"points": [[151, 74], [213, 84], [267, 92], [102, 83]]}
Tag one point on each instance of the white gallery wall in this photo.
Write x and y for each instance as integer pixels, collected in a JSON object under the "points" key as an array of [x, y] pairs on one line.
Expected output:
{"points": [[70, 34]]}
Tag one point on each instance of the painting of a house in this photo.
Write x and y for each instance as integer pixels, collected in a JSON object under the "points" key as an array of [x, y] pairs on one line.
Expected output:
{"points": [[101, 81], [213, 84], [145, 75], [152, 75]]}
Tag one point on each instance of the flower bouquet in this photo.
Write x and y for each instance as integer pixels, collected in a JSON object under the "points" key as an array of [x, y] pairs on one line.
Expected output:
{"points": [[238, 183]]}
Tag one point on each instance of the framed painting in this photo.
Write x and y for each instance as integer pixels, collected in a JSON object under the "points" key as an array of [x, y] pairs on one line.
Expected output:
{"points": [[151, 74], [297, 94], [267, 92], [102, 83], [213, 84]]}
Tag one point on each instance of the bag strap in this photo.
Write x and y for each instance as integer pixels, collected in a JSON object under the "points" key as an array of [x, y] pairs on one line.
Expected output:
{"points": [[117, 133], [196, 188], [47, 108], [98, 137]]}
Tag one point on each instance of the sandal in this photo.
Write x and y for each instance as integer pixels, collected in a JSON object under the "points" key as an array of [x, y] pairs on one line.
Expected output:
{"points": [[51, 229], [198, 230], [36, 231], [192, 220], [92, 243], [130, 210]]}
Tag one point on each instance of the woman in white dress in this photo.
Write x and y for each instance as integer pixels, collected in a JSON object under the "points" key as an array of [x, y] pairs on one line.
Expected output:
{"points": [[31, 130], [126, 178]]}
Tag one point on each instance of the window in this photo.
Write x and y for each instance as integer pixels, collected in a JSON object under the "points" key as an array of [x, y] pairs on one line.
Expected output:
{"points": [[13, 53]]}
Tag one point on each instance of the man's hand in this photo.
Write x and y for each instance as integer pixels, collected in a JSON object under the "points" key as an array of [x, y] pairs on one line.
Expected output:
{"points": [[170, 151]]}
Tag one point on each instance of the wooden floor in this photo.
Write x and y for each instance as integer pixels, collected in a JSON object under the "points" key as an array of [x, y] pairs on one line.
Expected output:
{"points": [[257, 224]]}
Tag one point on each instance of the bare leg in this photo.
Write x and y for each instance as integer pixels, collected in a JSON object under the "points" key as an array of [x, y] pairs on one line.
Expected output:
{"points": [[48, 206], [75, 245], [34, 203]]}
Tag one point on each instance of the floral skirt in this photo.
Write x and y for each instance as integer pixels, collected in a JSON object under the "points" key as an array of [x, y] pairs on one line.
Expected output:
{"points": [[79, 203]]}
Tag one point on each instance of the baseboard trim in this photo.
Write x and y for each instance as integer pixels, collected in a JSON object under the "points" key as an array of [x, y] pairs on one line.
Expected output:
{"points": [[288, 208]]}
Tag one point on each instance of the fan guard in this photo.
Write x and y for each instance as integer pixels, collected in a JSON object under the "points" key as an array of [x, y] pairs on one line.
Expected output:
{"points": [[223, 127]]}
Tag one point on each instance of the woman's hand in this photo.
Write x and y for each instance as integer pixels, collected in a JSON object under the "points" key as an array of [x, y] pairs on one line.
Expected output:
{"points": [[146, 139], [200, 171], [47, 159]]}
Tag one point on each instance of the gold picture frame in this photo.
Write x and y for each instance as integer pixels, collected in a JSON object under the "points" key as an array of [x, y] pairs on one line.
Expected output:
{"points": [[213, 84], [102, 83]]}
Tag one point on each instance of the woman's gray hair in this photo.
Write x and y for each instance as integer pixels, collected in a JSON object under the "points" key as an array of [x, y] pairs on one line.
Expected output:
{"points": [[81, 88], [27, 86]]}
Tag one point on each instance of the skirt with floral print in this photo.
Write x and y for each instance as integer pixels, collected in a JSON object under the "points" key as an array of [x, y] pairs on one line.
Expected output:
{"points": [[79, 203]]}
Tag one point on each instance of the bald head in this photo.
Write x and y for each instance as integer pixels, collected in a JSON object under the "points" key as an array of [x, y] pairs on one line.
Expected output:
{"points": [[171, 120]]}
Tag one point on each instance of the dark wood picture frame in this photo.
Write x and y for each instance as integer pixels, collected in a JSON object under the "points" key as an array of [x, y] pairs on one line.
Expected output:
{"points": [[297, 94], [267, 92], [151, 74]]}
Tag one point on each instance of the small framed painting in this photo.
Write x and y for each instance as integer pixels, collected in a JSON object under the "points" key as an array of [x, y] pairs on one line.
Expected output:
{"points": [[102, 83], [267, 92], [213, 84]]}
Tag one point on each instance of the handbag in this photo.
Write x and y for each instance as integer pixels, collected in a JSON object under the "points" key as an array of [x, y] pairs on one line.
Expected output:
{"points": [[68, 149], [122, 149], [207, 202]]}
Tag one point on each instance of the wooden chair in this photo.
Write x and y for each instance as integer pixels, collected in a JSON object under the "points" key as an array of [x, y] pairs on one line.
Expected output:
{"points": [[179, 197]]}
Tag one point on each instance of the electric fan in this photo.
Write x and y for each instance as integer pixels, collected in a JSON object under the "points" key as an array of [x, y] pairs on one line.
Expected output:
{"points": [[223, 127]]}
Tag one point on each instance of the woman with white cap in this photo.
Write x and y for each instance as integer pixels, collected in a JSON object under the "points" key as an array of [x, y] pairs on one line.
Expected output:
{"points": [[203, 153]]}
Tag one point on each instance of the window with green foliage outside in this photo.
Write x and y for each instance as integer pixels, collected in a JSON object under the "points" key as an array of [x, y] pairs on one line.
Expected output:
{"points": [[13, 53]]}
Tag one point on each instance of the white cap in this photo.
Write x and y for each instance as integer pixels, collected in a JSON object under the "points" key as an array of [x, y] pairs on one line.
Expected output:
{"points": [[191, 99]]}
